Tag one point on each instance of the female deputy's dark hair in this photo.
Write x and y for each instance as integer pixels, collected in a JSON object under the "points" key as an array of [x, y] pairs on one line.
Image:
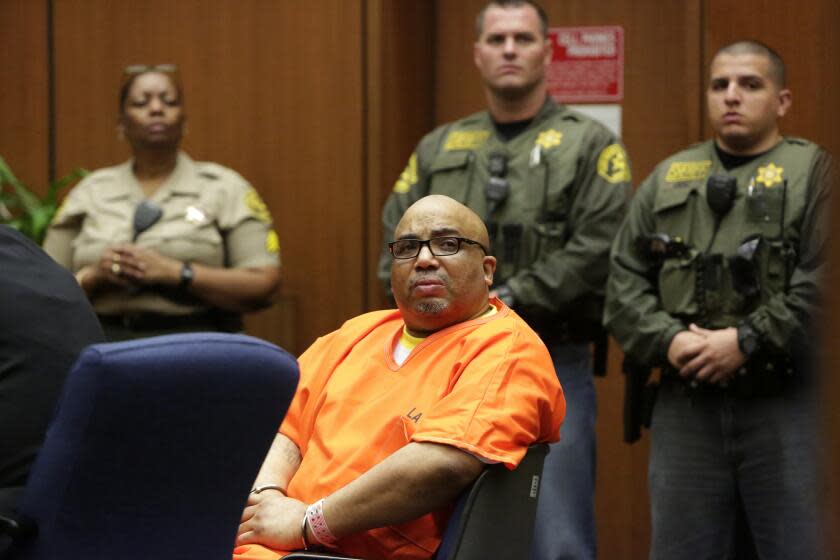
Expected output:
{"points": [[132, 72]]}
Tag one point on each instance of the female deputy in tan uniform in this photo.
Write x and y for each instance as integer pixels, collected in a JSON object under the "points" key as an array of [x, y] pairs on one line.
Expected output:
{"points": [[163, 243]]}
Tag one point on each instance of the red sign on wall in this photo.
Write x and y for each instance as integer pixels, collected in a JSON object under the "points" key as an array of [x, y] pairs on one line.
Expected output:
{"points": [[587, 64]]}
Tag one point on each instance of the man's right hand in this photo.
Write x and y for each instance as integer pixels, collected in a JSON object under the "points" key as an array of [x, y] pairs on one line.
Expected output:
{"points": [[272, 520], [684, 346]]}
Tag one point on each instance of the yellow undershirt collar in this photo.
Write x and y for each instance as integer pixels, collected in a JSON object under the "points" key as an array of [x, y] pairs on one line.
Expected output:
{"points": [[409, 341]]}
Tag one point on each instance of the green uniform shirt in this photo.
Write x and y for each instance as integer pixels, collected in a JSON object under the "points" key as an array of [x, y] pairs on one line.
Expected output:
{"points": [[211, 216], [780, 198], [569, 183]]}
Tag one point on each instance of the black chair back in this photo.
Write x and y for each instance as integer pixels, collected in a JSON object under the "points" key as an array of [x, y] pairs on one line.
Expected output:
{"points": [[495, 518]]}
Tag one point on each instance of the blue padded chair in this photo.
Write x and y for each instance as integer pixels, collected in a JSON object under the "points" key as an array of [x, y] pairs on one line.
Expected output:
{"points": [[493, 519], [154, 448]]}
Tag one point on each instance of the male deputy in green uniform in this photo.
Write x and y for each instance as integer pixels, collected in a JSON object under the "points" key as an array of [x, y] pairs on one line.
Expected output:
{"points": [[714, 277], [552, 186]]}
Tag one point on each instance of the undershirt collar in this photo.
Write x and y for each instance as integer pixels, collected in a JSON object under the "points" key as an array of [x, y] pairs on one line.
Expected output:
{"points": [[510, 130], [408, 342], [731, 161]]}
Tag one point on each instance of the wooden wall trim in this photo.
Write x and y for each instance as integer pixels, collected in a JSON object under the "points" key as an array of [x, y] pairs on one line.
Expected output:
{"points": [[24, 126], [399, 46], [373, 84]]}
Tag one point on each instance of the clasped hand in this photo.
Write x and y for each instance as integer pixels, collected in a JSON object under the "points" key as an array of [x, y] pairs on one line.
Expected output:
{"points": [[706, 355], [129, 264], [273, 520]]}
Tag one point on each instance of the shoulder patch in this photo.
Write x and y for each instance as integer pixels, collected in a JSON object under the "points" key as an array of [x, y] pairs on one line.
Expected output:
{"points": [[465, 139], [408, 177], [680, 171], [613, 165], [272, 243], [255, 203]]}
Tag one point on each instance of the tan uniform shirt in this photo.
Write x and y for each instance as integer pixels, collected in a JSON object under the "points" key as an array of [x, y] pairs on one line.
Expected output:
{"points": [[211, 216]]}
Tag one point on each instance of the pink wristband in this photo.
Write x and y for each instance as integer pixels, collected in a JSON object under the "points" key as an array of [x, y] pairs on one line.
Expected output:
{"points": [[315, 515]]}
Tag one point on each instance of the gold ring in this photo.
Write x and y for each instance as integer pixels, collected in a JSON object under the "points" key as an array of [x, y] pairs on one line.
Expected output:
{"points": [[115, 268], [115, 257]]}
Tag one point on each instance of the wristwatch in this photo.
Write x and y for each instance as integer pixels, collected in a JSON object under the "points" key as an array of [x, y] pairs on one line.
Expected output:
{"points": [[187, 275], [505, 294], [747, 339]]}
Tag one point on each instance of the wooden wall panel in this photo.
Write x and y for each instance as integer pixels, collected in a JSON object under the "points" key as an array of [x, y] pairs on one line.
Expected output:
{"points": [[399, 43], [273, 90], [23, 90], [457, 83], [660, 115]]}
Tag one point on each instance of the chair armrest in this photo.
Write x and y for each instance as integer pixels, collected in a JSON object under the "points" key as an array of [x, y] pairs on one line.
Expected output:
{"points": [[14, 531], [17, 527]]}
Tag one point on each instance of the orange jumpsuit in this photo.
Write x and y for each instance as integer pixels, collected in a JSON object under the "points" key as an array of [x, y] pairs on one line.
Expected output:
{"points": [[486, 386]]}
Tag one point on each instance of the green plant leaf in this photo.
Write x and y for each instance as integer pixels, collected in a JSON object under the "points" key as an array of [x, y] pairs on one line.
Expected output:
{"points": [[24, 210], [40, 221], [59, 184], [6, 175], [27, 199], [8, 199]]}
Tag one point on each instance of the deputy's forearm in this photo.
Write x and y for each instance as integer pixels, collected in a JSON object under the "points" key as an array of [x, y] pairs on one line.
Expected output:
{"points": [[417, 479], [236, 289]]}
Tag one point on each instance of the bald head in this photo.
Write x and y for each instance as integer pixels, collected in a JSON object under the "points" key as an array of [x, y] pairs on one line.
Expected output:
{"points": [[436, 291], [440, 209]]}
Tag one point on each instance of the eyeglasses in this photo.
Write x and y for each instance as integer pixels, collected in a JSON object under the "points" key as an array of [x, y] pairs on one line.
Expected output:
{"points": [[439, 246]]}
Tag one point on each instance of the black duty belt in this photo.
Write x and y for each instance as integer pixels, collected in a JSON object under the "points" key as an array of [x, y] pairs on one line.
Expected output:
{"points": [[752, 381], [155, 321], [562, 332]]}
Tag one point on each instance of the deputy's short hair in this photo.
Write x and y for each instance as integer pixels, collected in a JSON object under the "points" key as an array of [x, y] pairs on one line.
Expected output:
{"points": [[479, 20], [749, 46]]}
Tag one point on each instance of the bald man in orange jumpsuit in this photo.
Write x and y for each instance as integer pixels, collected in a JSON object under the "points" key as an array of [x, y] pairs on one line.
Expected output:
{"points": [[398, 411]]}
